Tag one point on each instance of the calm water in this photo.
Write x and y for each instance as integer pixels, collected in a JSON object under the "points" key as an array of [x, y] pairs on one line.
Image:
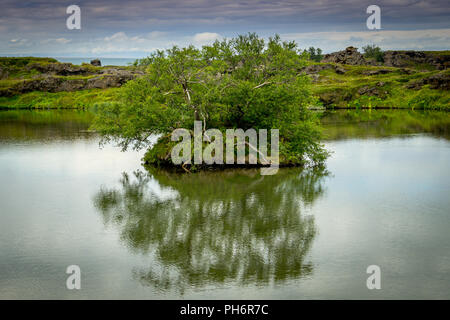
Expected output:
{"points": [[383, 200]]}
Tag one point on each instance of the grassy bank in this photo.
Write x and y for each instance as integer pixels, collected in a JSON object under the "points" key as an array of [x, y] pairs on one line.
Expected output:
{"points": [[83, 99], [379, 87], [336, 86], [26, 82]]}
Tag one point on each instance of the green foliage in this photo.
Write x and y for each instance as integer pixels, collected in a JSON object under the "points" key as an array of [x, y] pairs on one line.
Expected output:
{"points": [[342, 90], [365, 102], [314, 54], [22, 62], [238, 83], [373, 52], [59, 100], [427, 97], [19, 67], [89, 67]]}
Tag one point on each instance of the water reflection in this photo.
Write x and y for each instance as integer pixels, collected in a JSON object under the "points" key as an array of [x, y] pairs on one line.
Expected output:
{"points": [[215, 228], [345, 124], [42, 126]]}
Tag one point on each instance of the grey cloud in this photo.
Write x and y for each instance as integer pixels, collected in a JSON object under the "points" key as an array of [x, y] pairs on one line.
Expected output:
{"points": [[179, 20]]}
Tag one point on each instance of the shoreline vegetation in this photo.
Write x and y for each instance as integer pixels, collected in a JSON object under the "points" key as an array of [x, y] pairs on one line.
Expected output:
{"points": [[340, 80], [336, 124], [244, 82]]}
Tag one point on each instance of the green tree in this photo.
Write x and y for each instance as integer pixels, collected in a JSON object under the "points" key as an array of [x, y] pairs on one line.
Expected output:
{"points": [[243, 82], [314, 54], [373, 52]]}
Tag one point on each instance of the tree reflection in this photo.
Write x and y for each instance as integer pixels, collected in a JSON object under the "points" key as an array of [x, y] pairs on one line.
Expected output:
{"points": [[215, 228]]}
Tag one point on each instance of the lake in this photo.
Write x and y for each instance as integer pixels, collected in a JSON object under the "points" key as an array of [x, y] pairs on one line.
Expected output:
{"points": [[382, 200]]}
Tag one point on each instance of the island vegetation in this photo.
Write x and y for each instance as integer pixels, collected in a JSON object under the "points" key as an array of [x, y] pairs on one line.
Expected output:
{"points": [[244, 82]]}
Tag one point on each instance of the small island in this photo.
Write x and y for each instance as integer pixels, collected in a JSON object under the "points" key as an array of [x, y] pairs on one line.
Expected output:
{"points": [[245, 82]]}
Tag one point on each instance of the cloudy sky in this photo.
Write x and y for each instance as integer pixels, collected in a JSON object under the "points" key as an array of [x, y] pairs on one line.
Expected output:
{"points": [[133, 28]]}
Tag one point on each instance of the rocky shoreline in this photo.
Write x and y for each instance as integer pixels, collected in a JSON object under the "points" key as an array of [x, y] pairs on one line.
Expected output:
{"points": [[343, 79], [58, 77], [396, 59], [405, 79]]}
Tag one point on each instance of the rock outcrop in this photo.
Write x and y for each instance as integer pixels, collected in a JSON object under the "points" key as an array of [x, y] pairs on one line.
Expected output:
{"points": [[96, 62], [377, 72], [56, 84], [60, 69], [438, 81], [3, 73], [399, 59], [52, 80], [402, 59], [376, 90], [316, 68], [349, 56]]}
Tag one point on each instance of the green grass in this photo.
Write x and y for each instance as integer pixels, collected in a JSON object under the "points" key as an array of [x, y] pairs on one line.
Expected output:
{"points": [[336, 90], [17, 67], [8, 83], [341, 91], [16, 70], [60, 100], [23, 61], [77, 77]]}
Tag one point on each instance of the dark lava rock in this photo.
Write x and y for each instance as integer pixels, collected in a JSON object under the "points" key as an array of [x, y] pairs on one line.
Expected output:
{"points": [[108, 81], [398, 59], [438, 81], [407, 71], [96, 62], [339, 70], [50, 83], [316, 68], [373, 90], [349, 56], [410, 58], [377, 72], [57, 77], [4, 74], [60, 69], [121, 72], [330, 98]]}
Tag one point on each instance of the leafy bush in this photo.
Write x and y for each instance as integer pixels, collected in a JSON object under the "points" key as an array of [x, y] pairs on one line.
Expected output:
{"points": [[427, 98], [238, 83], [373, 52], [365, 102], [314, 54]]}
